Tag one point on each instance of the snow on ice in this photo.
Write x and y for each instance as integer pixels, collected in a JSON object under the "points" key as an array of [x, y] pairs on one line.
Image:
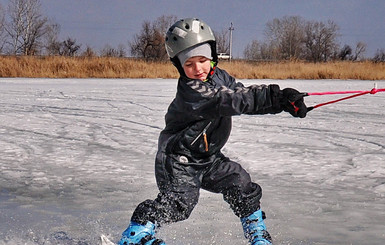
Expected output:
{"points": [[76, 157]]}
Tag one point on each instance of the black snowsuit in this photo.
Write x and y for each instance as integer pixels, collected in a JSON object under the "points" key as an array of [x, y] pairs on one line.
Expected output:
{"points": [[198, 124]]}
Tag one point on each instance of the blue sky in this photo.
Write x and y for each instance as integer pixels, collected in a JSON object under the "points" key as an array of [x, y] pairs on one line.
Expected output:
{"points": [[100, 22]]}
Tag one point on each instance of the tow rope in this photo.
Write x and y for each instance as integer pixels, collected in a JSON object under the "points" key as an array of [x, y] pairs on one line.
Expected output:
{"points": [[355, 94]]}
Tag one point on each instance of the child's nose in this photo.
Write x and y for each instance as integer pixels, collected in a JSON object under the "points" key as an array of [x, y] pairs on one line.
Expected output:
{"points": [[197, 66]]}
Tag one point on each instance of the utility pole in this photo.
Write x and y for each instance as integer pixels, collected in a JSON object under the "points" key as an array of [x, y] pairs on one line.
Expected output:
{"points": [[231, 39]]}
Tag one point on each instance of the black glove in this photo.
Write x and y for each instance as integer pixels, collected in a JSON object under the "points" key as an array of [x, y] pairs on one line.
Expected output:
{"points": [[292, 102]]}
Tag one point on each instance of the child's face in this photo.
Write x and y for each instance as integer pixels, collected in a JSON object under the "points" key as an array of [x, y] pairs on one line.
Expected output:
{"points": [[197, 67]]}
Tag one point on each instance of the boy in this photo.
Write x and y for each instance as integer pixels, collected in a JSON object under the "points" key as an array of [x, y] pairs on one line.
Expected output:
{"points": [[198, 124]]}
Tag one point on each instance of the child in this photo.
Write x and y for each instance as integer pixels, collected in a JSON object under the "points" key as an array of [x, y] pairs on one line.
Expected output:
{"points": [[198, 124]]}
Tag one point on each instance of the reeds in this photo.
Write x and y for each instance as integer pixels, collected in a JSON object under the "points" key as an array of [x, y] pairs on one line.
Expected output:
{"points": [[105, 67], [365, 70], [83, 67]]}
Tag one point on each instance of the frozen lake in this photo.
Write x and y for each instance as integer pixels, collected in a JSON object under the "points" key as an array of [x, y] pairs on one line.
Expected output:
{"points": [[77, 155]]}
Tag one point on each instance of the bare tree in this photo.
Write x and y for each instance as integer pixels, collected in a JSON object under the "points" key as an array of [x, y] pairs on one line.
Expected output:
{"points": [[379, 56], [359, 51], [252, 51], [286, 35], [223, 41], [109, 51], [121, 51], [149, 43], [345, 53], [320, 40], [52, 45], [26, 26], [2, 29], [69, 47], [88, 52], [261, 51]]}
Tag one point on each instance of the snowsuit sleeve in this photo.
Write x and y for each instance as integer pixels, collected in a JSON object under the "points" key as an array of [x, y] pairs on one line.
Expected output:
{"points": [[230, 98]]}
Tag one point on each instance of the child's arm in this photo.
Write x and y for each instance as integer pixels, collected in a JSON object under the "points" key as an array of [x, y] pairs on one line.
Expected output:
{"points": [[255, 99]]}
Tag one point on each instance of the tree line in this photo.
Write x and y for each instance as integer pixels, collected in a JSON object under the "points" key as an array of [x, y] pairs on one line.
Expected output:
{"points": [[292, 37], [24, 30]]}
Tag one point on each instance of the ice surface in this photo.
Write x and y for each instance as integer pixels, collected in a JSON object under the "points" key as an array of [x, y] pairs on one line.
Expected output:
{"points": [[76, 157]]}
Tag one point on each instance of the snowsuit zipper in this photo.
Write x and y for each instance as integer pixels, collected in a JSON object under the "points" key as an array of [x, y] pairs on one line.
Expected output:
{"points": [[204, 137]]}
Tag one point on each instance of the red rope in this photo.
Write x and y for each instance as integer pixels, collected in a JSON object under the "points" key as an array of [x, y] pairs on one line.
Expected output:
{"points": [[373, 91], [356, 94]]}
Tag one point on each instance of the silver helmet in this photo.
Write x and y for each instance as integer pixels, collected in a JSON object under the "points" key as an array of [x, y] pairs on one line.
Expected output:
{"points": [[187, 33]]}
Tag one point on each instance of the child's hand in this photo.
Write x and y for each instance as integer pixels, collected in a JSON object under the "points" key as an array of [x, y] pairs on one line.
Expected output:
{"points": [[292, 102]]}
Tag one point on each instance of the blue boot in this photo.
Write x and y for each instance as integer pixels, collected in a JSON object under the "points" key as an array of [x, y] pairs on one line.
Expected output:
{"points": [[255, 229], [137, 234]]}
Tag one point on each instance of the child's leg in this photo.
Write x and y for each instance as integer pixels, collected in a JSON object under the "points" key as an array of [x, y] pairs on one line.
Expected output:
{"points": [[150, 214], [230, 179], [179, 186], [167, 207]]}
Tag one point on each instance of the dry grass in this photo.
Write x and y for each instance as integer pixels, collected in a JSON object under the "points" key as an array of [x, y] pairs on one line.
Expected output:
{"points": [[303, 70], [97, 67], [80, 67]]}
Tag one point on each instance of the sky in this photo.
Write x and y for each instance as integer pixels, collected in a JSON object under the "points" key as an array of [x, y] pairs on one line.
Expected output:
{"points": [[99, 22]]}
